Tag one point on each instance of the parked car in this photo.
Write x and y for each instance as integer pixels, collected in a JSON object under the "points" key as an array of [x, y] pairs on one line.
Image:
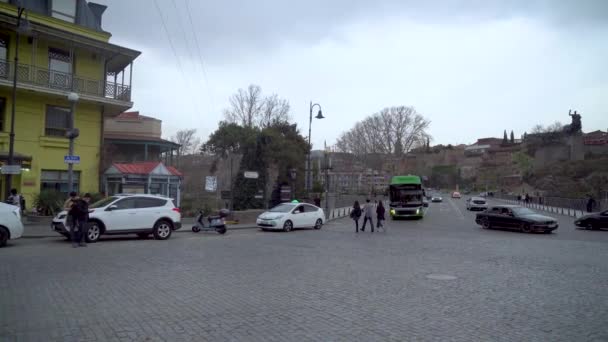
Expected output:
{"points": [[476, 203], [287, 216], [127, 214], [436, 199], [516, 218], [456, 194], [593, 221], [11, 227]]}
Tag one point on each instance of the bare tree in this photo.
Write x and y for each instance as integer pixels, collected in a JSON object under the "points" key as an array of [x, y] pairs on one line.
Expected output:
{"points": [[245, 106], [552, 128], [249, 108], [187, 140], [274, 110], [394, 130]]}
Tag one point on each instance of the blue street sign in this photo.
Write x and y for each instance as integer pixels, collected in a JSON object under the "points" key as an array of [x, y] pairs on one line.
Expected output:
{"points": [[71, 159]]}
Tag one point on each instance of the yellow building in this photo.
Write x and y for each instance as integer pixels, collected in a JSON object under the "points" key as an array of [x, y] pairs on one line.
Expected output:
{"points": [[62, 50]]}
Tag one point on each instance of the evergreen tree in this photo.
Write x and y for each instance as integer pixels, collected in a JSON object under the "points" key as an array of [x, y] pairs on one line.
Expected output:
{"points": [[504, 138], [512, 138]]}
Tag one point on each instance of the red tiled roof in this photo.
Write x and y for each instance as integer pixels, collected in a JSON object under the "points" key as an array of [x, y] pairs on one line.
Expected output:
{"points": [[174, 171], [143, 168]]}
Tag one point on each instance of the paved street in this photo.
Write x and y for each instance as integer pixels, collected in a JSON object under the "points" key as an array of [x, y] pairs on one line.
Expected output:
{"points": [[438, 279]]}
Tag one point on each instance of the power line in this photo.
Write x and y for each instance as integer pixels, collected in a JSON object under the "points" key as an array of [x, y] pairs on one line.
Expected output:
{"points": [[199, 53], [179, 64]]}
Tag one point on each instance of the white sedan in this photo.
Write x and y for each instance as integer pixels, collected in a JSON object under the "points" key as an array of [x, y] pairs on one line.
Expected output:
{"points": [[287, 216], [11, 227]]}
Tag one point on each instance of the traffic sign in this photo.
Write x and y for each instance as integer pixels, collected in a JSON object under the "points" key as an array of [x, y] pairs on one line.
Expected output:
{"points": [[11, 169], [251, 174], [71, 159], [211, 183]]}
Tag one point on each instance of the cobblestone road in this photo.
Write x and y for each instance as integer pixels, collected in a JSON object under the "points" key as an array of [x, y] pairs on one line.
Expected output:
{"points": [[328, 285]]}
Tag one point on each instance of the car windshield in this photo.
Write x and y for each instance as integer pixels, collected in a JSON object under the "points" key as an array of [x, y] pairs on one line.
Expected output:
{"points": [[523, 211], [282, 208], [104, 202]]}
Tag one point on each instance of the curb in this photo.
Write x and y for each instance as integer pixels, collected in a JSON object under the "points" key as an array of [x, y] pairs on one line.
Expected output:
{"points": [[181, 230]]}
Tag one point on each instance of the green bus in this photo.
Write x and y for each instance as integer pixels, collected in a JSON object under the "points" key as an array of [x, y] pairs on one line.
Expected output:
{"points": [[406, 197]]}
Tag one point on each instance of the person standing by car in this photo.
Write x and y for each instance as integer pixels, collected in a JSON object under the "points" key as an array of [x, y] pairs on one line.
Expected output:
{"points": [[80, 217], [590, 204], [380, 216], [14, 199], [355, 214], [369, 215]]}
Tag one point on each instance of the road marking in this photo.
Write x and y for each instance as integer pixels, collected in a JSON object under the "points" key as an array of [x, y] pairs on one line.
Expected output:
{"points": [[456, 208]]}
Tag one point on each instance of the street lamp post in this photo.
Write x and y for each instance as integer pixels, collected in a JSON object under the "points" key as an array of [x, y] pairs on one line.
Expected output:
{"points": [[72, 134], [309, 166], [11, 148]]}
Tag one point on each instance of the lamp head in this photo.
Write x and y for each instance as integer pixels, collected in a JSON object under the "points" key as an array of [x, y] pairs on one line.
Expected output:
{"points": [[320, 115]]}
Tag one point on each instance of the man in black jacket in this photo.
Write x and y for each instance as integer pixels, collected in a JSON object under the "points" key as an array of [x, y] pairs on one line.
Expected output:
{"points": [[80, 217]]}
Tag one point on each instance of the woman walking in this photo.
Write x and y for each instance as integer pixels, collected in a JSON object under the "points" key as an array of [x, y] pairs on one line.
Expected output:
{"points": [[380, 216], [355, 214]]}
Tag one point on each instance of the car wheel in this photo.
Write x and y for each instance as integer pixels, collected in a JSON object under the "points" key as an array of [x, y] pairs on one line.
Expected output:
{"points": [[591, 226], [3, 236], [94, 232], [162, 230], [485, 223], [525, 228], [287, 226], [319, 224], [142, 235]]}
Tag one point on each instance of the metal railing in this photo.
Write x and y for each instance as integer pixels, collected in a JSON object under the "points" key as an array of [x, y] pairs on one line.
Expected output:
{"points": [[574, 207], [52, 79]]}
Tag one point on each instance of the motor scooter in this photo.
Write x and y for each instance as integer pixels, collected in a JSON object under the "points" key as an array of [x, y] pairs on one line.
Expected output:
{"points": [[215, 223]]}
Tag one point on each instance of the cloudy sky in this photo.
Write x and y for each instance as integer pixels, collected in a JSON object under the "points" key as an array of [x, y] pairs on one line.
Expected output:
{"points": [[472, 67]]}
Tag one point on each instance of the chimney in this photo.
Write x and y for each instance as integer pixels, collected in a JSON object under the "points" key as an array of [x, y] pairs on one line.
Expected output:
{"points": [[97, 11]]}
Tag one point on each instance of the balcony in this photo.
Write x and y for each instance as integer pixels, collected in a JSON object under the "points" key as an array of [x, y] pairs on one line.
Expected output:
{"points": [[59, 81]]}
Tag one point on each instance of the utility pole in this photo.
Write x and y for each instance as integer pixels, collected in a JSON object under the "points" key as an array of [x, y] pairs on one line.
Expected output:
{"points": [[11, 148], [72, 134]]}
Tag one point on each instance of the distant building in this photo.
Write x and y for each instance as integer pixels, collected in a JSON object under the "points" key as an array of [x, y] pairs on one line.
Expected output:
{"points": [[131, 137], [475, 150], [595, 138]]}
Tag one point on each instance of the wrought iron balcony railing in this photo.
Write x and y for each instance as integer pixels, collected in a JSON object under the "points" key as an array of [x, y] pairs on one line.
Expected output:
{"points": [[52, 79]]}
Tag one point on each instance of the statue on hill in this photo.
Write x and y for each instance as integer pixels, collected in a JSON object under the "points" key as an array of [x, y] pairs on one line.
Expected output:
{"points": [[576, 126]]}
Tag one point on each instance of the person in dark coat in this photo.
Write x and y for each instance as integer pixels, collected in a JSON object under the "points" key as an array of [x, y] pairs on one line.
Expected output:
{"points": [[355, 214], [590, 204], [80, 217], [380, 216]]}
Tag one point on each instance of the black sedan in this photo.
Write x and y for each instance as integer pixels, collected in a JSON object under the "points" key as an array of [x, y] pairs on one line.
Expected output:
{"points": [[593, 221], [516, 218]]}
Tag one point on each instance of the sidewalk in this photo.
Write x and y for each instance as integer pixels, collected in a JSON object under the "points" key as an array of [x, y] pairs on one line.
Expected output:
{"points": [[553, 210], [43, 229]]}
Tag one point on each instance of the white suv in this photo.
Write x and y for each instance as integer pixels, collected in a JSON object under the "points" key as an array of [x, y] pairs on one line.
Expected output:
{"points": [[127, 214], [11, 227]]}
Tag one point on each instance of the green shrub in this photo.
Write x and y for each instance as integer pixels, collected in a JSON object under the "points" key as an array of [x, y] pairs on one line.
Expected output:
{"points": [[49, 202]]}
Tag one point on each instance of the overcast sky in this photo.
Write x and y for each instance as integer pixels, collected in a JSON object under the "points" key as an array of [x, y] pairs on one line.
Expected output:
{"points": [[472, 67]]}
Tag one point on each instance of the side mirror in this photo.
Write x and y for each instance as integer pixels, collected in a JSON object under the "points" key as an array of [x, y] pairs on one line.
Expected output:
{"points": [[112, 207]]}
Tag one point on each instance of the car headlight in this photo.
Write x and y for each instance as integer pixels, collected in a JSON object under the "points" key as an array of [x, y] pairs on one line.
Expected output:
{"points": [[392, 211], [418, 211]]}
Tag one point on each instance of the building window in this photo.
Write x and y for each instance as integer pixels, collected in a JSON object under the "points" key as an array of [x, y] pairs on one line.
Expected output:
{"points": [[57, 121], [4, 67], [64, 10], [60, 67], [2, 113], [58, 180]]}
